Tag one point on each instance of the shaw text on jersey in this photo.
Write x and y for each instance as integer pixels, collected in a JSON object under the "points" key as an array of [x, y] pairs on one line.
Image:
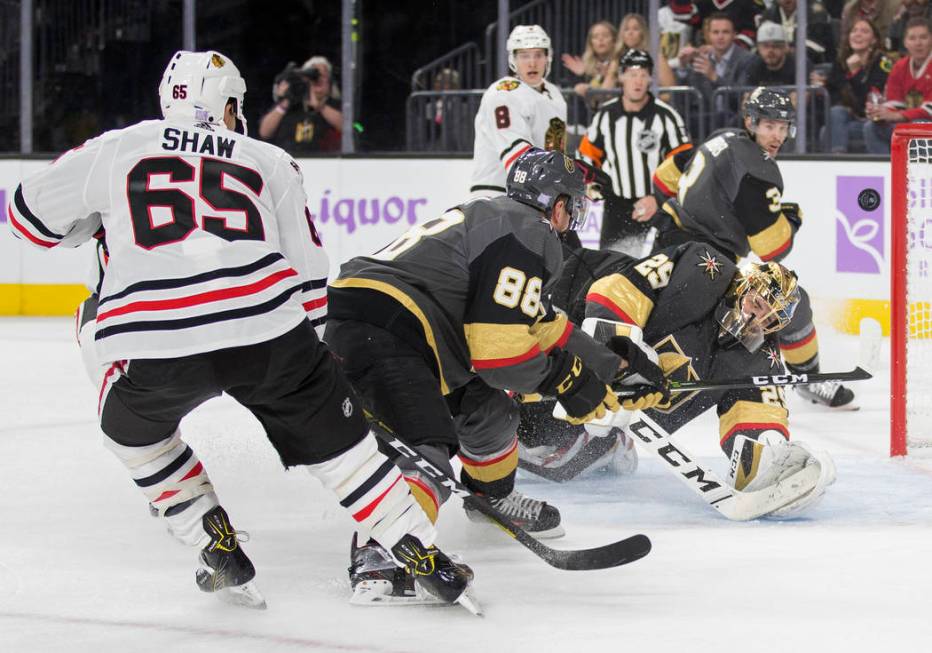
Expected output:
{"points": [[197, 142]]}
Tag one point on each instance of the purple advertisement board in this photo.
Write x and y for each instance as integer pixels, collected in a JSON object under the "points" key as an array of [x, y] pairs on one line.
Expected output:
{"points": [[859, 228]]}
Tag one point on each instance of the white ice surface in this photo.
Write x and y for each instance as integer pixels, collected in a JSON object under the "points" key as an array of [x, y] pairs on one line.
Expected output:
{"points": [[83, 567]]}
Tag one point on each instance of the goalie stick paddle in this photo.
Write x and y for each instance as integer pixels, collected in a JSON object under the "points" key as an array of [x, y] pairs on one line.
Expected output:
{"points": [[733, 504], [602, 557], [857, 374]]}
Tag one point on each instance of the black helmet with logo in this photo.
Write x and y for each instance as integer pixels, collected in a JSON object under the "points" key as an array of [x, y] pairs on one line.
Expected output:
{"points": [[539, 177], [770, 104]]}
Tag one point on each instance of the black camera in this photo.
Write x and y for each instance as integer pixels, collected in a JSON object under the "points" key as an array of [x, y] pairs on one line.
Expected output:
{"points": [[312, 74], [297, 84]]}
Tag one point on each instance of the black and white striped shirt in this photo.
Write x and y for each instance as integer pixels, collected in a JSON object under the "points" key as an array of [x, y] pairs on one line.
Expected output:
{"points": [[628, 146]]}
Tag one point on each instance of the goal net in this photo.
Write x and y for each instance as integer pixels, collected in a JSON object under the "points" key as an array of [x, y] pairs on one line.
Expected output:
{"points": [[911, 290]]}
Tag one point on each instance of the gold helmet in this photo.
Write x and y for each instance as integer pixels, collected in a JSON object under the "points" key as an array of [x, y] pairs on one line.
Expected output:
{"points": [[763, 298]]}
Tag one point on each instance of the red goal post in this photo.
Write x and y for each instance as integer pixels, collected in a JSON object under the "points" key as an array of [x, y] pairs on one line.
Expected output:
{"points": [[910, 296]]}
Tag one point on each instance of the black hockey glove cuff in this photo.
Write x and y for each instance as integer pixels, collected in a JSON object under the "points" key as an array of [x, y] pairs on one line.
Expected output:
{"points": [[578, 389], [793, 213], [638, 361]]}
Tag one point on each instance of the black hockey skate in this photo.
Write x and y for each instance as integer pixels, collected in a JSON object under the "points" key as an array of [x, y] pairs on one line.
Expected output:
{"points": [[831, 394], [435, 572], [377, 579], [225, 570], [538, 518]]}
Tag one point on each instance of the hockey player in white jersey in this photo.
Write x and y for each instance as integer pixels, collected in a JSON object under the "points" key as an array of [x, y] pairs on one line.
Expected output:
{"points": [[214, 268], [518, 112]]}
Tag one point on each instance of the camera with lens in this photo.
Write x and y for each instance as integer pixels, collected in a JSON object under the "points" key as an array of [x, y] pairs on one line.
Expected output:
{"points": [[297, 83]]}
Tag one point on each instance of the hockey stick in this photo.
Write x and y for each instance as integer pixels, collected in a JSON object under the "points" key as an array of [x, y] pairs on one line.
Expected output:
{"points": [[857, 374], [602, 557], [734, 504]]}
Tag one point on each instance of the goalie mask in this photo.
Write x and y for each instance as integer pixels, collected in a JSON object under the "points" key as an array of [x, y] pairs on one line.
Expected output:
{"points": [[539, 178], [527, 37], [761, 300], [196, 87]]}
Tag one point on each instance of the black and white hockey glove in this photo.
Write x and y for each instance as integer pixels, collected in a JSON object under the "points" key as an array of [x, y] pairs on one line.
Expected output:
{"points": [[583, 395], [653, 391]]}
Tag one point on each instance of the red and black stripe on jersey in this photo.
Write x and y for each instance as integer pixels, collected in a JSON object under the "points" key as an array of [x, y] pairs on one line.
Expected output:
{"points": [[173, 298], [26, 225]]}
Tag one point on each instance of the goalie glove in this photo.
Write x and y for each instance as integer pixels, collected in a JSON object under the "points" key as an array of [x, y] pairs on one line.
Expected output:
{"points": [[581, 393], [643, 374], [793, 213]]}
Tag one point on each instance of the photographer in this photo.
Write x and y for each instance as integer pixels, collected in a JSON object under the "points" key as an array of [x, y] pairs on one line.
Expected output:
{"points": [[306, 116]]}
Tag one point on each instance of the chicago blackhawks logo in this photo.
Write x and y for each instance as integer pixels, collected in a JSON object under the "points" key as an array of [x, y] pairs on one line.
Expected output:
{"points": [[555, 138], [217, 61], [507, 85], [709, 264]]}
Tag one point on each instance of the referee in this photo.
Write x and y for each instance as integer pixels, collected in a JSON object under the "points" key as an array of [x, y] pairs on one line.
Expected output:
{"points": [[628, 138]]}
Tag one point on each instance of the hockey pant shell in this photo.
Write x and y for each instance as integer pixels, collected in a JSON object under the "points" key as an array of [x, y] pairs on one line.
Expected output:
{"points": [[294, 388], [799, 342], [400, 386]]}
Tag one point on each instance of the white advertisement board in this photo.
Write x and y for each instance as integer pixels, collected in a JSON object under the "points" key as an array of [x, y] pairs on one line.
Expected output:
{"points": [[359, 205]]}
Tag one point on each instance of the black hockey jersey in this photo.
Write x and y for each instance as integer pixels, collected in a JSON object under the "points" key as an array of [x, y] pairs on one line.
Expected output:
{"points": [[675, 297], [729, 194], [471, 290]]}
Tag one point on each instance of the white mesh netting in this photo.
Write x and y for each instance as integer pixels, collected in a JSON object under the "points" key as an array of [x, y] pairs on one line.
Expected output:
{"points": [[919, 295]]}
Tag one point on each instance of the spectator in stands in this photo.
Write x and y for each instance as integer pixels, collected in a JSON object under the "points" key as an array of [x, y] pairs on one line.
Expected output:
{"points": [[598, 67], [909, 89], [721, 62], [773, 65], [444, 114], [909, 9], [879, 12], [820, 44], [744, 16], [634, 35], [860, 70], [679, 23], [306, 117]]}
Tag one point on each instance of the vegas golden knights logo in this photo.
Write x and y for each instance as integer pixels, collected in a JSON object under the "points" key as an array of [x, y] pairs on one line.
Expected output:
{"points": [[555, 138], [677, 366], [304, 132]]}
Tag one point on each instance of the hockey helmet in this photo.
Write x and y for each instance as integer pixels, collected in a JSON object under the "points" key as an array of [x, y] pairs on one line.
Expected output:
{"points": [[539, 178], [636, 59], [526, 37], [771, 104], [762, 299], [196, 87]]}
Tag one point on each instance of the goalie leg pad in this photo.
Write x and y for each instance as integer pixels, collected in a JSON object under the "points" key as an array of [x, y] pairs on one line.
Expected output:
{"points": [[173, 479], [372, 489]]}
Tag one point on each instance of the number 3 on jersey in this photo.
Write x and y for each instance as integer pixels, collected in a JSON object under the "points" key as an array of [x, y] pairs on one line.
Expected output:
{"points": [[178, 209]]}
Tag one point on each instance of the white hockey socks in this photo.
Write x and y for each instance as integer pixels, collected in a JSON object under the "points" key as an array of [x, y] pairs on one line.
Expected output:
{"points": [[175, 482], [373, 490]]}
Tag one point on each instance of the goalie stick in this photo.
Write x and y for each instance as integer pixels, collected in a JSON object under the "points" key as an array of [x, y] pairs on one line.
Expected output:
{"points": [[857, 374], [732, 503], [602, 557]]}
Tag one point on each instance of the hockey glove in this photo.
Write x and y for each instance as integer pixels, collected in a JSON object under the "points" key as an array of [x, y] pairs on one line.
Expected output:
{"points": [[583, 395], [649, 394], [793, 213]]}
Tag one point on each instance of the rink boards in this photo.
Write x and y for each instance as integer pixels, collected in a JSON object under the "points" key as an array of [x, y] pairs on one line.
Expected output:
{"points": [[361, 204]]}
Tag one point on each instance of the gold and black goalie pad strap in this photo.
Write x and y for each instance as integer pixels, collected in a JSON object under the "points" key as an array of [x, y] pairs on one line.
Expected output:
{"points": [[667, 175], [506, 283], [751, 412], [758, 206]]}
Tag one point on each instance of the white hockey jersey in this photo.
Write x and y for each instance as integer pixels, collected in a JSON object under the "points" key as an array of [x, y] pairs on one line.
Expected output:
{"points": [[210, 241], [513, 117]]}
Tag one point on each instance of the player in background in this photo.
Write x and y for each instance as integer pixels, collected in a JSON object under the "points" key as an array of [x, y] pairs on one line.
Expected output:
{"points": [[213, 267], [728, 192], [704, 318], [518, 112], [433, 328]]}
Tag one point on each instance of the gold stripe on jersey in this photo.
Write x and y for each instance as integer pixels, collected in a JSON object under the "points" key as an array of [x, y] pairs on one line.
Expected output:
{"points": [[553, 333], [616, 293], [667, 177], [669, 210], [499, 345], [494, 469], [797, 353], [772, 241], [752, 416], [408, 303]]}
